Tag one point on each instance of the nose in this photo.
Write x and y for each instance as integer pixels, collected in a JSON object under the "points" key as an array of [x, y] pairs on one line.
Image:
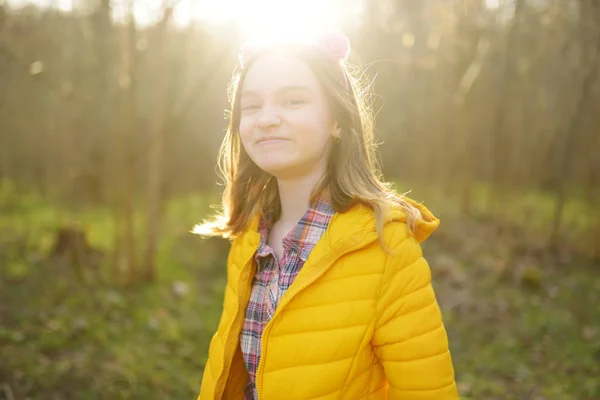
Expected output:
{"points": [[268, 119]]}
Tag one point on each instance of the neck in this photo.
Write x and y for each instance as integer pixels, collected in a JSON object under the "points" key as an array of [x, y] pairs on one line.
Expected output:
{"points": [[294, 195]]}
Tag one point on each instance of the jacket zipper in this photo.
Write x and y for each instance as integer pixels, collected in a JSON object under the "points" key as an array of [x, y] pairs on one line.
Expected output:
{"points": [[219, 386], [269, 324]]}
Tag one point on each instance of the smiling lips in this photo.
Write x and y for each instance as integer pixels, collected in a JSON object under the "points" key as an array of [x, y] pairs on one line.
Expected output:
{"points": [[271, 140]]}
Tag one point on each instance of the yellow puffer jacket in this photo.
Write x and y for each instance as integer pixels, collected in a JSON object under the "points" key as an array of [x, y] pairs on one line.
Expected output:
{"points": [[356, 323]]}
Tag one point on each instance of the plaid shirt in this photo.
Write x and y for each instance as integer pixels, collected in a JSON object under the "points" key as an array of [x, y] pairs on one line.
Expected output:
{"points": [[273, 279]]}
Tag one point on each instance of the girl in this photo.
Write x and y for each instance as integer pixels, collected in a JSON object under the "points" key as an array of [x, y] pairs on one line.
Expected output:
{"points": [[328, 295]]}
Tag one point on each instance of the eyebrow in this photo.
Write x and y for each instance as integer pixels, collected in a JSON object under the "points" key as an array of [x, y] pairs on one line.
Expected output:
{"points": [[282, 89]]}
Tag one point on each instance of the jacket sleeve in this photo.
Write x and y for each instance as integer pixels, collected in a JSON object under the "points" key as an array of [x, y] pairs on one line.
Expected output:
{"points": [[409, 339]]}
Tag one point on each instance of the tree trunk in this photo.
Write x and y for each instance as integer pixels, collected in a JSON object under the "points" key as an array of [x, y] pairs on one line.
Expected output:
{"points": [[130, 127], [126, 127], [155, 152], [498, 148]]}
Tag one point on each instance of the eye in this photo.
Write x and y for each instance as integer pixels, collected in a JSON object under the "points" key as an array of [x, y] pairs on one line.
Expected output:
{"points": [[250, 107], [294, 102]]}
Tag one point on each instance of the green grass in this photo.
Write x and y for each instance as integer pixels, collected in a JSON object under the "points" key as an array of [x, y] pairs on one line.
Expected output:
{"points": [[96, 340], [64, 339], [511, 343]]}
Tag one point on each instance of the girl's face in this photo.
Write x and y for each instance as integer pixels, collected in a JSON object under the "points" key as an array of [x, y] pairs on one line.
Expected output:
{"points": [[286, 125]]}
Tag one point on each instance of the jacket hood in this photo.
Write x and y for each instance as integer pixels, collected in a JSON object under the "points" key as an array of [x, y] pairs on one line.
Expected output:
{"points": [[424, 227]]}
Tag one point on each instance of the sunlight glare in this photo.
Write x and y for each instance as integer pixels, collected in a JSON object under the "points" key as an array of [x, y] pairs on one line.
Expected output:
{"points": [[261, 20], [256, 20]]}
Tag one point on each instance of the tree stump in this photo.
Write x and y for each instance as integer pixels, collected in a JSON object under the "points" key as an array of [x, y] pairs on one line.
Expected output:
{"points": [[71, 244]]}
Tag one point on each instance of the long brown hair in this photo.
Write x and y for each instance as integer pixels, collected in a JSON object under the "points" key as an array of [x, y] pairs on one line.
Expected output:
{"points": [[353, 174]]}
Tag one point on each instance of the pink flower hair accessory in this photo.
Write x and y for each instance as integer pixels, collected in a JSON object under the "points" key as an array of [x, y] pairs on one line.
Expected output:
{"points": [[335, 44]]}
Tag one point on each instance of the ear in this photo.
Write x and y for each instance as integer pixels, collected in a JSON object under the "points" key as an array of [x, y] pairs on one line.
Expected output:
{"points": [[336, 131]]}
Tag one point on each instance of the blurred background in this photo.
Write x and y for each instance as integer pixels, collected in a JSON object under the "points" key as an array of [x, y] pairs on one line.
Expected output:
{"points": [[111, 115]]}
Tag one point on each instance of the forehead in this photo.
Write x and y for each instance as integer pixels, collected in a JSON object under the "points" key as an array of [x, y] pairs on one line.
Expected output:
{"points": [[271, 72]]}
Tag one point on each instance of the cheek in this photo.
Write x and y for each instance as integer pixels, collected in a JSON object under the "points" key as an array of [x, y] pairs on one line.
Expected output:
{"points": [[246, 129], [316, 129]]}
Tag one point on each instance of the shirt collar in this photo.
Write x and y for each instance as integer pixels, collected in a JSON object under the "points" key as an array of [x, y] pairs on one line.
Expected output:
{"points": [[306, 233]]}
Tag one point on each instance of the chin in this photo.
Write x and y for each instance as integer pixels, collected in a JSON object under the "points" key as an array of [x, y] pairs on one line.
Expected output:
{"points": [[277, 167]]}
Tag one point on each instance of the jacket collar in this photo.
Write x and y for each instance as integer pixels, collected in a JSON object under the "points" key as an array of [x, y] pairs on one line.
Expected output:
{"points": [[353, 223], [356, 223], [353, 228]]}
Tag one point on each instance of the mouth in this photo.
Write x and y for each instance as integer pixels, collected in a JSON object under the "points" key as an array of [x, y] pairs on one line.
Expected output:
{"points": [[271, 140]]}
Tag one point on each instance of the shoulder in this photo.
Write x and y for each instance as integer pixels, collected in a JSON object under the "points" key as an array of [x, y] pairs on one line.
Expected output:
{"points": [[394, 222]]}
